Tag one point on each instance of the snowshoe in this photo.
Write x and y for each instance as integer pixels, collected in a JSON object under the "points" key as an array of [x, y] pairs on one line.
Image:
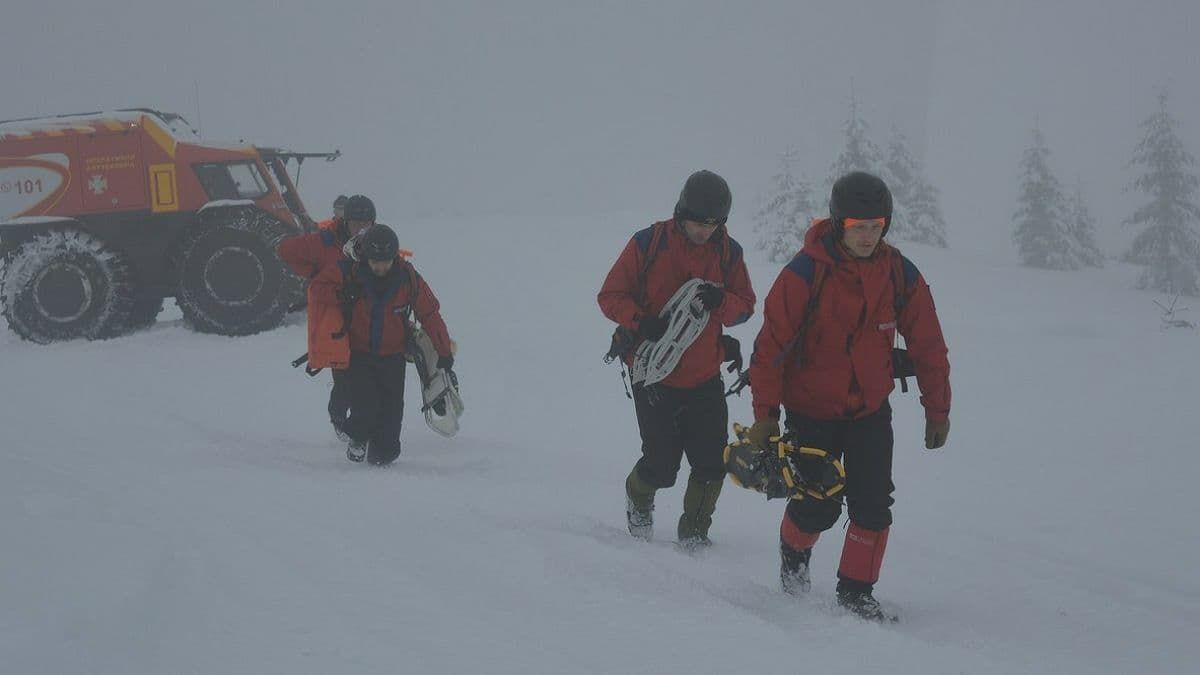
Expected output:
{"points": [[440, 401], [356, 452], [784, 470], [687, 317]]}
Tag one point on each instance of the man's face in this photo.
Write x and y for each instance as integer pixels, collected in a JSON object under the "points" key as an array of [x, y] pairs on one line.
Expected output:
{"points": [[356, 226], [860, 236], [339, 212], [380, 267], [698, 233]]}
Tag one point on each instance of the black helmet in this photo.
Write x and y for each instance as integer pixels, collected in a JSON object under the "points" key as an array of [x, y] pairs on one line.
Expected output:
{"points": [[860, 195], [360, 209], [705, 199], [340, 202], [378, 242]]}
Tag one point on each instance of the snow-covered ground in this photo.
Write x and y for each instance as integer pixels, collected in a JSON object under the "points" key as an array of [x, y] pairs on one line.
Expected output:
{"points": [[176, 503]]}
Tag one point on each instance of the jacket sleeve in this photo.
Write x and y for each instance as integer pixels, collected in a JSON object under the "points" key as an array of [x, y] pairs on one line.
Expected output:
{"points": [[617, 295], [738, 306], [783, 314], [301, 253], [324, 288], [918, 323], [427, 310]]}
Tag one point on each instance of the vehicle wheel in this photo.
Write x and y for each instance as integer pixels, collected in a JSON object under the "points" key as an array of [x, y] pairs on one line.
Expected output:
{"points": [[66, 284], [231, 282]]}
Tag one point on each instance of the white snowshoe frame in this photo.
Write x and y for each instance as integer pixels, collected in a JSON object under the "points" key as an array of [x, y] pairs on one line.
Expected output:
{"points": [[437, 385], [687, 317]]}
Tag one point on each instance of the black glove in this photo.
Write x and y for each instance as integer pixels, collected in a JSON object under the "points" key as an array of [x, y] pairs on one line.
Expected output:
{"points": [[733, 353], [349, 294], [653, 328], [446, 362], [710, 296]]}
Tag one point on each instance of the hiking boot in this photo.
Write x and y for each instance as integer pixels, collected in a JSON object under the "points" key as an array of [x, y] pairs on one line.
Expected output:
{"points": [[355, 451], [694, 545], [639, 506], [862, 604], [699, 503], [793, 569], [339, 429]]}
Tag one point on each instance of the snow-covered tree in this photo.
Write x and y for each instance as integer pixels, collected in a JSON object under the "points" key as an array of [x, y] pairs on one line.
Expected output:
{"points": [[783, 219], [899, 169], [923, 215], [916, 215], [1081, 231], [859, 153], [1040, 234], [1168, 244]]}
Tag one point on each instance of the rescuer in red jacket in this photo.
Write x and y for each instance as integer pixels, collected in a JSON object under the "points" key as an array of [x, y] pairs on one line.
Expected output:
{"points": [[824, 355], [378, 294], [339, 211], [307, 255], [686, 411]]}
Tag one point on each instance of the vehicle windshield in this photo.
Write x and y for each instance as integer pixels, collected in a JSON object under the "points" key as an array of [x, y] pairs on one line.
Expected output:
{"points": [[233, 180]]}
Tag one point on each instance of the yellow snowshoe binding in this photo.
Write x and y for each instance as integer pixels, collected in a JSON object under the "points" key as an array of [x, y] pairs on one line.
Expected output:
{"points": [[783, 469]]}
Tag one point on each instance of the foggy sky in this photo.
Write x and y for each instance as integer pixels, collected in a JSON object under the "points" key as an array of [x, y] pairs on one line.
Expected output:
{"points": [[529, 107]]}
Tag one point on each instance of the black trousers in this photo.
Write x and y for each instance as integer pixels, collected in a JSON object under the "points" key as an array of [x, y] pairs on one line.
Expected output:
{"points": [[339, 396], [376, 386], [674, 422], [865, 447]]}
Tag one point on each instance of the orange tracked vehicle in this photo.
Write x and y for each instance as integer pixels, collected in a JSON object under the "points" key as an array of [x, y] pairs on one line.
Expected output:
{"points": [[103, 215]]}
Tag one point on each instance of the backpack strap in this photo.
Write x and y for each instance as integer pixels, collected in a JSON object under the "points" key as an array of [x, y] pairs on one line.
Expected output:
{"points": [[818, 272], [814, 274], [349, 276], [410, 276], [904, 276], [731, 253], [657, 241]]}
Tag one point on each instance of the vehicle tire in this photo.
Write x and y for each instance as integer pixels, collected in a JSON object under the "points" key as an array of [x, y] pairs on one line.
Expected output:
{"points": [[66, 284], [231, 282]]}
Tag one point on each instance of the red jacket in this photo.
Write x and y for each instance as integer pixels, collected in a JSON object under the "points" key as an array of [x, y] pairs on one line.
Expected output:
{"points": [[843, 369], [378, 322], [308, 254], [676, 261]]}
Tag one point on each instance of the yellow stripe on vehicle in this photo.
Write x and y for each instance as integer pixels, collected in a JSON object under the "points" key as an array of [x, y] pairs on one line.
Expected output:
{"points": [[161, 136]]}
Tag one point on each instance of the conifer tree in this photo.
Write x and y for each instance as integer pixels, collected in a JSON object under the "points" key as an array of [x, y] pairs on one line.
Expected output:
{"points": [[916, 214], [1168, 245], [858, 153], [784, 218], [1040, 233], [1081, 231]]}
